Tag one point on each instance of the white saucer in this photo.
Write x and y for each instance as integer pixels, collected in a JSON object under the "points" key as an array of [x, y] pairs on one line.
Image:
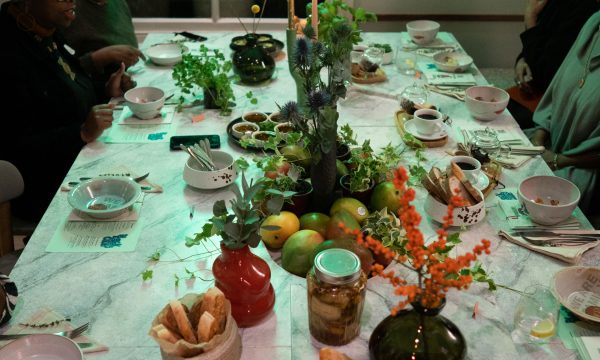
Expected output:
{"points": [[410, 127], [483, 182]]}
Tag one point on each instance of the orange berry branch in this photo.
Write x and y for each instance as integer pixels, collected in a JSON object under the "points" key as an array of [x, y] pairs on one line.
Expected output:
{"points": [[437, 273]]}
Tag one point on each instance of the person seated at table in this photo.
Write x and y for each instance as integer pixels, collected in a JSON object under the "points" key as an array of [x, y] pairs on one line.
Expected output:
{"points": [[551, 27], [103, 37], [57, 107], [568, 117], [8, 298]]}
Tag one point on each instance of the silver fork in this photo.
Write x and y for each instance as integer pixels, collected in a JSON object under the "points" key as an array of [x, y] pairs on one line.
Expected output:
{"points": [[558, 241], [71, 334]]}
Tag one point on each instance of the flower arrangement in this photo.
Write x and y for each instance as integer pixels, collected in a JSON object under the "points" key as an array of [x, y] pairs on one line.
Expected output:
{"points": [[436, 271]]}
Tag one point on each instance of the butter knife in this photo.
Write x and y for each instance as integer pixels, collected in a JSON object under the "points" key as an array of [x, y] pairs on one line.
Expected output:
{"points": [[566, 234]]}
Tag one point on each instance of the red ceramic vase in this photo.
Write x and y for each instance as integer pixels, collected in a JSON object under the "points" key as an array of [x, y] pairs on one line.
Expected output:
{"points": [[245, 279]]}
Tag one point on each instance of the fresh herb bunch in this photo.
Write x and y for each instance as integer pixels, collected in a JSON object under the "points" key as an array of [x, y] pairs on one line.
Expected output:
{"points": [[367, 166], [346, 135], [385, 47], [331, 14], [241, 227], [208, 71], [317, 118]]}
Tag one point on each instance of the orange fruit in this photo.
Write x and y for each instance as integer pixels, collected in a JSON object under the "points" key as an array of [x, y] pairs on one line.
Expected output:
{"points": [[288, 224]]}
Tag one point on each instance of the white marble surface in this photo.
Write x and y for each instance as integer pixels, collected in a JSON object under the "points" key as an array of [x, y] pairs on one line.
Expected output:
{"points": [[107, 290]]}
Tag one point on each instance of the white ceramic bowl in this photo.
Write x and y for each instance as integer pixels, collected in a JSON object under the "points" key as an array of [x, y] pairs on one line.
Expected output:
{"points": [[538, 192], [422, 32], [463, 216], [202, 179], [239, 130], [486, 102], [166, 54], [284, 129], [276, 117], [255, 117], [145, 102], [452, 61], [578, 289], [104, 197], [388, 57], [41, 346]]}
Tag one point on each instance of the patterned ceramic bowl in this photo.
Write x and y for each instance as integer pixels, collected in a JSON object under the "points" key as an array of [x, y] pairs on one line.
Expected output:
{"points": [[463, 216], [548, 199], [104, 197], [202, 179]]}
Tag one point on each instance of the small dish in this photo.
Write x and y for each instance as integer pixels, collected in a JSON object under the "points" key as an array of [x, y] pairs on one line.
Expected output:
{"points": [[453, 61], [578, 289], [548, 199], [145, 102], [276, 117], [243, 128], [166, 54], [410, 127], [261, 136], [255, 117], [284, 129], [40, 347], [422, 32], [208, 180], [485, 102], [104, 197]]}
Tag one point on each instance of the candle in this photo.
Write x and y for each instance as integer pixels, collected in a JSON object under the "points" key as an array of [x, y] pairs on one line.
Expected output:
{"points": [[291, 14], [315, 18]]}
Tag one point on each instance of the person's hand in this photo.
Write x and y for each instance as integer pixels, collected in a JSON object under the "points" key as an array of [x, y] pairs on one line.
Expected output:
{"points": [[116, 54], [532, 10], [116, 84], [98, 119], [522, 72]]}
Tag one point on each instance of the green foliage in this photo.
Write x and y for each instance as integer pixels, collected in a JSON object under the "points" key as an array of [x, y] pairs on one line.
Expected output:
{"points": [[250, 96], [240, 227], [147, 274], [209, 70], [346, 135], [387, 228], [368, 166], [385, 47], [335, 12]]}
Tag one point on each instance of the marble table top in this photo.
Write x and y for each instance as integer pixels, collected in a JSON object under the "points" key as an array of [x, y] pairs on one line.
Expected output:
{"points": [[107, 290]]}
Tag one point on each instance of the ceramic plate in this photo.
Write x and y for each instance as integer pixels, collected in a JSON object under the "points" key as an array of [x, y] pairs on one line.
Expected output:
{"points": [[578, 289], [42, 347], [410, 127]]}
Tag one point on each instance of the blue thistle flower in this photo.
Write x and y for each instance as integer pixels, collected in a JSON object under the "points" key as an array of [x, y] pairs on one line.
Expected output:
{"points": [[318, 99], [303, 54], [290, 111]]}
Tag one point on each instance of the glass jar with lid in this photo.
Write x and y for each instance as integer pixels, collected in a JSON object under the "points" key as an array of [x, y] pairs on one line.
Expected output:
{"points": [[336, 288]]}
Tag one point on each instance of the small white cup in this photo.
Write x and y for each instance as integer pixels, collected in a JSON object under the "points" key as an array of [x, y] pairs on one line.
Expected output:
{"points": [[470, 166], [427, 121]]}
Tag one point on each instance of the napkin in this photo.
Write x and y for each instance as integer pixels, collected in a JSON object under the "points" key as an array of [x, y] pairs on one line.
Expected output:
{"points": [[435, 77], [569, 254], [47, 316], [443, 42], [127, 118], [588, 347], [455, 92]]}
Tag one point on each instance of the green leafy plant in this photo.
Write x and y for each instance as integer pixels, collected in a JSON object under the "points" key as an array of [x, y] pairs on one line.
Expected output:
{"points": [[334, 12], [346, 135], [385, 47], [387, 228], [240, 227], [209, 71], [367, 166]]}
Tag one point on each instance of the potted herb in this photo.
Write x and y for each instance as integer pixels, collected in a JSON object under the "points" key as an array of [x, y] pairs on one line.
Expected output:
{"points": [[243, 277], [345, 140], [208, 71], [334, 12], [387, 53]]}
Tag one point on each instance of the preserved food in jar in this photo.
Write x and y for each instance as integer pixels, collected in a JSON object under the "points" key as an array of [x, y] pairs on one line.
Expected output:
{"points": [[336, 288]]}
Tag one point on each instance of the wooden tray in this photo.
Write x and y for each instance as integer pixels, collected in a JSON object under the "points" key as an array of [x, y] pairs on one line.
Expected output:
{"points": [[493, 170], [361, 77], [401, 117]]}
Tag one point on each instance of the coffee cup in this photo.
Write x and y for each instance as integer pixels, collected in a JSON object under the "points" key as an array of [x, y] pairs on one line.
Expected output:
{"points": [[427, 121], [470, 166]]}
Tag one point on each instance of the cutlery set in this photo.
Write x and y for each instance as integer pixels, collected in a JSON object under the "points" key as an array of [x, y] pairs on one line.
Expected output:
{"points": [[558, 237], [202, 154]]}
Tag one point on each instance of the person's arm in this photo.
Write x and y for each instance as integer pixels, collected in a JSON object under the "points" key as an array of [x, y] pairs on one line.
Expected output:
{"points": [[116, 54], [532, 11], [539, 137], [556, 161], [8, 298]]}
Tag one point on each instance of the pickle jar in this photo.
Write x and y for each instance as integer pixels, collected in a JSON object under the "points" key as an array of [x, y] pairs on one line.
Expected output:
{"points": [[336, 288]]}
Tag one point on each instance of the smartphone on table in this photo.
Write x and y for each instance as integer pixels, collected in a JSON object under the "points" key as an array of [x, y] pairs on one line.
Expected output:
{"points": [[189, 140]]}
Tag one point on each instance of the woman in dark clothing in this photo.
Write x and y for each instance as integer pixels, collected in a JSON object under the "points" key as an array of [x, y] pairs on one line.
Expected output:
{"points": [[55, 101], [551, 27]]}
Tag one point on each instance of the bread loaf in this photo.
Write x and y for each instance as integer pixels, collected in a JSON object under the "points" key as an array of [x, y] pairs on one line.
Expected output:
{"points": [[183, 323], [214, 303], [207, 327], [163, 333], [453, 184], [168, 320], [195, 313], [457, 171]]}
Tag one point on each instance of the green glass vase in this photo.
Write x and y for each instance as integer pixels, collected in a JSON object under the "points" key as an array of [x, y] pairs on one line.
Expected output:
{"points": [[252, 63], [420, 334]]}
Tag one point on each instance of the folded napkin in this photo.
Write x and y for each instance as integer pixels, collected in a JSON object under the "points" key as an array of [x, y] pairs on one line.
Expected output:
{"points": [[452, 91], [570, 254], [435, 77], [132, 215], [526, 150], [588, 347], [165, 117], [48, 316], [442, 42]]}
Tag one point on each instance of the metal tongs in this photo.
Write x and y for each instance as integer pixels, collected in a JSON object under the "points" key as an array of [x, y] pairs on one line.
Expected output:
{"points": [[201, 154]]}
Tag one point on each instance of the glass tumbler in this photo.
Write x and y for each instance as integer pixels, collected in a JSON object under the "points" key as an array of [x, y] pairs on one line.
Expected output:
{"points": [[406, 62], [536, 315]]}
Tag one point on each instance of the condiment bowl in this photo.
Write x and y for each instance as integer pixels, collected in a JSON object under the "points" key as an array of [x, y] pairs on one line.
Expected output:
{"points": [[166, 54], [453, 61], [462, 216], [422, 32], [548, 199], [199, 178], [486, 102], [261, 136], [284, 129], [243, 128], [145, 102], [104, 197]]}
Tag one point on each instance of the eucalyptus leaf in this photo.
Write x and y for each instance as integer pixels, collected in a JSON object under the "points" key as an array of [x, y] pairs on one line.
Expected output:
{"points": [[219, 208]]}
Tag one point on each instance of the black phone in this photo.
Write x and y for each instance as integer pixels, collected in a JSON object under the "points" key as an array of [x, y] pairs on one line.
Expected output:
{"points": [[191, 36], [189, 140]]}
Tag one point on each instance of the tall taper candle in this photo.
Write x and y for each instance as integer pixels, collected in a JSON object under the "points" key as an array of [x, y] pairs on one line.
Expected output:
{"points": [[315, 18], [291, 12]]}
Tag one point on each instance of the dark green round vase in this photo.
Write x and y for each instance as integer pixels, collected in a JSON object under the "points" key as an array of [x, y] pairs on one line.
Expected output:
{"points": [[420, 334], [252, 63]]}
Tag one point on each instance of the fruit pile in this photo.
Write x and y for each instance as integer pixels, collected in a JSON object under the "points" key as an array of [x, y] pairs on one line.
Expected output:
{"points": [[301, 239]]}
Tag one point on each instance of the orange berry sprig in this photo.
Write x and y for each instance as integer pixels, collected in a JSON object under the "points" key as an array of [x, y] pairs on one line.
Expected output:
{"points": [[437, 273]]}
